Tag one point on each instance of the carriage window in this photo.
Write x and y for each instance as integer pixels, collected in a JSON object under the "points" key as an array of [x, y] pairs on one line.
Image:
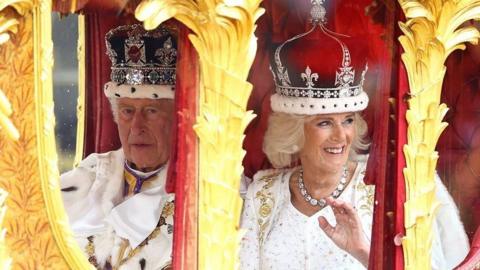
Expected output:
{"points": [[459, 145], [65, 86]]}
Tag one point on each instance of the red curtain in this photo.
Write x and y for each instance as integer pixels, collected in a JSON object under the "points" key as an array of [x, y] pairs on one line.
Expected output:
{"points": [[183, 178], [101, 133]]}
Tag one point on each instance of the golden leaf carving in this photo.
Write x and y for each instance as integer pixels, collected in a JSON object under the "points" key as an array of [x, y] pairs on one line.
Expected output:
{"points": [[10, 11], [433, 30], [223, 37], [30, 231]]}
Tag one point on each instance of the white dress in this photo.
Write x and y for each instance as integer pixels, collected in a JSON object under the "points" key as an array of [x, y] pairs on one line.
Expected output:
{"points": [[296, 241], [277, 236]]}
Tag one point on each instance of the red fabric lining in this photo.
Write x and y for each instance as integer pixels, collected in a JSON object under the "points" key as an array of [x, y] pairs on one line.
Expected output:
{"points": [[100, 134], [184, 157]]}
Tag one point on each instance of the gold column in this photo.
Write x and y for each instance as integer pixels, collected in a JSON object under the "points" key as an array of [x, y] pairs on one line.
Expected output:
{"points": [[223, 37], [432, 31], [81, 92], [37, 235]]}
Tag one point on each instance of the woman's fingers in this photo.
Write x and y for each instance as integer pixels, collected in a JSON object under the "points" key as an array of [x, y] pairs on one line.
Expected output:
{"points": [[326, 227], [344, 213], [340, 207]]}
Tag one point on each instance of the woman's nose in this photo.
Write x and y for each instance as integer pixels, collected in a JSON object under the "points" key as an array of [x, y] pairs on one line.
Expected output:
{"points": [[338, 133]]}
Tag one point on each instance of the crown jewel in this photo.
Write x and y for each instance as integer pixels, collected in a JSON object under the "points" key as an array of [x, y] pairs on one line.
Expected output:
{"points": [[142, 57]]}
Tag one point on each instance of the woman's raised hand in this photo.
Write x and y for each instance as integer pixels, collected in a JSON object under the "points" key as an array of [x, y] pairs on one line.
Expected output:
{"points": [[348, 233]]}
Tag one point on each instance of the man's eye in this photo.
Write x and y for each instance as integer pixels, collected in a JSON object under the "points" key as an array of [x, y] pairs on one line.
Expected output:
{"points": [[151, 110], [126, 111]]}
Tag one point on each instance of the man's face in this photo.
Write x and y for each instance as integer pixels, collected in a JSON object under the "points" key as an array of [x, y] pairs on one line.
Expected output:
{"points": [[144, 126]]}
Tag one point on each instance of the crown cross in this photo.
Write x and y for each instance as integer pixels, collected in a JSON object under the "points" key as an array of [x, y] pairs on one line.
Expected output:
{"points": [[134, 48], [345, 77], [318, 12]]}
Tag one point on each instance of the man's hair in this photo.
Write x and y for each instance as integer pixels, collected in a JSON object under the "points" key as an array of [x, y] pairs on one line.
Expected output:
{"points": [[285, 138], [114, 107]]}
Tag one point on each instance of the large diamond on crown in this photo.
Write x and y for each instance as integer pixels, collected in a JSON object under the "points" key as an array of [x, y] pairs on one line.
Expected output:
{"points": [[134, 77]]}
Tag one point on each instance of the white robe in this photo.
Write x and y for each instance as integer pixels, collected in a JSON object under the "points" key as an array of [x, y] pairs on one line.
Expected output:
{"points": [[93, 198], [277, 236]]}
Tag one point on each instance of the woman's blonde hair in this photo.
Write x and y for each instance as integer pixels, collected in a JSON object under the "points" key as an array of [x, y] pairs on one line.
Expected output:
{"points": [[285, 138]]}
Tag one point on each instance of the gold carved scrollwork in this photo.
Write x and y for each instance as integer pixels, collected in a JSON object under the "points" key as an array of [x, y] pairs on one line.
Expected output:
{"points": [[37, 233], [5, 260], [432, 31], [10, 11], [223, 37]]}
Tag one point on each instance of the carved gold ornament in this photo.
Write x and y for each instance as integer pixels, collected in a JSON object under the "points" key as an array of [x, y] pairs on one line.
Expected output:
{"points": [[5, 123], [223, 37], [79, 146], [5, 260], [37, 232], [10, 11], [432, 31]]}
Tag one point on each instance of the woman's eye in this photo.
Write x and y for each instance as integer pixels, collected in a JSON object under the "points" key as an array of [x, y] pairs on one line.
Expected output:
{"points": [[324, 123], [348, 121]]}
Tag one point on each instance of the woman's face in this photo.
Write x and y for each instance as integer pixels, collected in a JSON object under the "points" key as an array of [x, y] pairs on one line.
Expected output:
{"points": [[328, 138]]}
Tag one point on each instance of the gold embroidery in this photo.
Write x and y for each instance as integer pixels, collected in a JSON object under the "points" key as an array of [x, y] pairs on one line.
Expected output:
{"points": [[90, 249], [265, 210], [168, 210], [367, 198], [267, 203], [121, 252]]}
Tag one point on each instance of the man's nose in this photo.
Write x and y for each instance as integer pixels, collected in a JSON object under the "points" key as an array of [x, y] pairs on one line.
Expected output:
{"points": [[138, 122]]}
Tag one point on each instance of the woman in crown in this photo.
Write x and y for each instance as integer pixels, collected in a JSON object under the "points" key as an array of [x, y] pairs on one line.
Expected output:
{"points": [[318, 215]]}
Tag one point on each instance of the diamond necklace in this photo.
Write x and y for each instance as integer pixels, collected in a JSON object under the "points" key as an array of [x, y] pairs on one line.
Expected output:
{"points": [[322, 202]]}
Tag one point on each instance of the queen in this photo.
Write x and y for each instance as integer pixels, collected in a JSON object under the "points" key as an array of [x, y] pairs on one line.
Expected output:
{"points": [[314, 211]]}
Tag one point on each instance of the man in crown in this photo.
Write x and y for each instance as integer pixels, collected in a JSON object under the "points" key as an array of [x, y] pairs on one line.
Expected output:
{"points": [[117, 205]]}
